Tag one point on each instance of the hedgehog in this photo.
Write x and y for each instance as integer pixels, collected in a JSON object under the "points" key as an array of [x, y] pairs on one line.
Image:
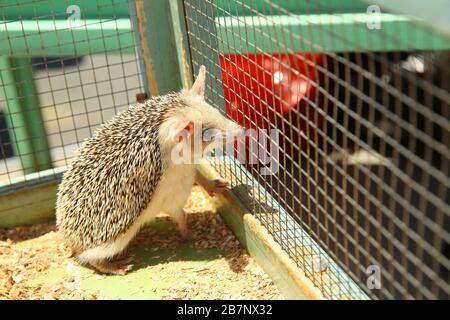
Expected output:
{"points": [[124, 176]]}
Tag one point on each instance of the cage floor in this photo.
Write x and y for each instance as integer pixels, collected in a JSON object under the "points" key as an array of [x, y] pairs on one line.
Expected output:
{"points": [[35, 264]]}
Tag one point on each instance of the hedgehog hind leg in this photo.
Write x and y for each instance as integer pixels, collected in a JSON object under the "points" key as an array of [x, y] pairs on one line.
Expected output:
{"points": [[119, 266], [110, 258]]}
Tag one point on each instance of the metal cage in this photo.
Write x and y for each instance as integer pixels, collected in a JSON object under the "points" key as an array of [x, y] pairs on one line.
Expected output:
{"points": [[359, 94], [356, 94], [65, 68]]}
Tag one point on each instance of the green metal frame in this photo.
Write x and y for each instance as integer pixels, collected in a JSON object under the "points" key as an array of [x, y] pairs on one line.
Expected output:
{"points": [[28, 9], [56, 38], [157, 35], [335, 32], [248, 7], [23, 114], [343, 32], [29, 199], [181, 41]]}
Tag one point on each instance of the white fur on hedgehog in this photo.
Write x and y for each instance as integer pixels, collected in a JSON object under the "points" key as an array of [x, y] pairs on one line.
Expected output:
{"points": [[123, 177]]}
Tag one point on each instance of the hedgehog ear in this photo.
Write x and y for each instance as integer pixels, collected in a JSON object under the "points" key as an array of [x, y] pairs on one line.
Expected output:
{"points": [[198, 88]]}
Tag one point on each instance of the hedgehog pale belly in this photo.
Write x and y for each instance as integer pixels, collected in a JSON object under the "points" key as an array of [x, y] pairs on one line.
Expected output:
{"points": [[172, 193], [170, 197]]}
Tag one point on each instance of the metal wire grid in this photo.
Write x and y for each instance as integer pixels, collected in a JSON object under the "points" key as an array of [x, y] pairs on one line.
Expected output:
{"points": [[364, 160], [74, 92]]}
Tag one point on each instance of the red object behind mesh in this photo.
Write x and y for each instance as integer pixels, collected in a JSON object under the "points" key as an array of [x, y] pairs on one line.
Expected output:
{"points": [[262, 89]]}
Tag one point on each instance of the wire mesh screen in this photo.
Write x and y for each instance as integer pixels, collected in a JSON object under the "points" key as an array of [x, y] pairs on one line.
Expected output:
{"points": [[360, 98], [66, 67]]}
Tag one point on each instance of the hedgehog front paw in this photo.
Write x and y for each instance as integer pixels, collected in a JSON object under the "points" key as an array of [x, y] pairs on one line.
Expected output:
{"points": [[216, 186]]}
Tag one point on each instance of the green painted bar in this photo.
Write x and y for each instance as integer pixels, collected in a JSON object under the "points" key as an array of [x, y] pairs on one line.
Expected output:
{"points": [[28, 9], [325, 33], [49, 9], [311, 33], [181, 41], [57, 38], [28, 206], [248, 7], [159, 46], [32, 179], [29, 199], [15, 118], [138, 45], [24, 117], [31, 110]]}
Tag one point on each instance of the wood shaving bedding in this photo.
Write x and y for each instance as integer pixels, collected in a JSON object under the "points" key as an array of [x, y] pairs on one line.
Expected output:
{"points": [[20, 261]]}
